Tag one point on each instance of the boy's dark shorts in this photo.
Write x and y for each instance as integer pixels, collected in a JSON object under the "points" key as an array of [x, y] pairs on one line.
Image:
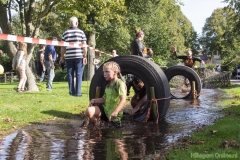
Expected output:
{"points": [[105, 118]]}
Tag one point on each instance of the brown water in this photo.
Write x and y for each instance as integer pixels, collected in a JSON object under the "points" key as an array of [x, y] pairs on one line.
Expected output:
{"points": [[66, 140]]}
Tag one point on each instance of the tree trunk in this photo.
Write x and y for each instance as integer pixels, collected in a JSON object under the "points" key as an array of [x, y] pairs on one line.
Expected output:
{"points": [[31, 79], [89, 69], [6, 29]]}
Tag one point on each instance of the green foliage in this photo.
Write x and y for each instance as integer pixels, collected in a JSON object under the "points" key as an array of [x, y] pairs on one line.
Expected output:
{"points": [[210, 66], [235, 5], [161, 61], [60, 76], [114, 24], [41, 86], [6, 62], [91, 13], [3, 1], [162, 22], [231, 61], [217, 33]]}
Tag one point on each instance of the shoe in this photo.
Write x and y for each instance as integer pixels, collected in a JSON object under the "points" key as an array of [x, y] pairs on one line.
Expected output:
{"points": [[19, 90]]}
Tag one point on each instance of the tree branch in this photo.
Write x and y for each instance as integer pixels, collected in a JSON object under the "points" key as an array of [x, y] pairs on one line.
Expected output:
{"points": [[49, 4]]}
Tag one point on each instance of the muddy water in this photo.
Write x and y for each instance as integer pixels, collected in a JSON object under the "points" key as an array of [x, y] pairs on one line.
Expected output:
{"points": [[66, 140]]}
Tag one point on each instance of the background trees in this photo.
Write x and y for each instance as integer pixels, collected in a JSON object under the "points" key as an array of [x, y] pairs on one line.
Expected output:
{"points": [[219, 36], [24, 18], [111, 25]]}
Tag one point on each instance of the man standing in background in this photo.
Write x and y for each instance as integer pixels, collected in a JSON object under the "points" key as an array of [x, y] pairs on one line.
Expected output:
{"points": [[49, 59], [40, 62], [75, 56]]}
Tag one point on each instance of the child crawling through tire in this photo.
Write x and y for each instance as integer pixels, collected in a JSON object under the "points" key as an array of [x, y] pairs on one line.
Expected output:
{"points": [[140, 97]]}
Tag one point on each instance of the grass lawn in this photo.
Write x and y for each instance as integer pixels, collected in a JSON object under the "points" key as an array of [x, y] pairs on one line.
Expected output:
{"points": [[21, 109], [219, 141]]}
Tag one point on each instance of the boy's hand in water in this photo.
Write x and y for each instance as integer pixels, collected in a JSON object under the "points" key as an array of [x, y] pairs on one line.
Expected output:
{"points": [[113, 116]]}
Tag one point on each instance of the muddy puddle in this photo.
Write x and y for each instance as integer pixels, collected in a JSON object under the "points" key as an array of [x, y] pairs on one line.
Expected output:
{"points": [[67, 141]]}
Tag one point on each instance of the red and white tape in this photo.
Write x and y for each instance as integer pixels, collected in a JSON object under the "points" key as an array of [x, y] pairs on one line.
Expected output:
{"points": [[9, 37]]}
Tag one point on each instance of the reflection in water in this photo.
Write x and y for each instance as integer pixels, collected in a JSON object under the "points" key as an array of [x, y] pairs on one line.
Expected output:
{"points": [[66, 140]]}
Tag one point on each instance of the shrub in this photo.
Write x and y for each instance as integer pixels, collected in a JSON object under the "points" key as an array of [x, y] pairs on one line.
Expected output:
{"points": [[210, 66], [6, 62], [60, 76]]}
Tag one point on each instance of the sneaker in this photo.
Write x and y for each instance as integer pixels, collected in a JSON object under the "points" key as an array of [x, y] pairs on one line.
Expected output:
{"points": [[19, 90]]}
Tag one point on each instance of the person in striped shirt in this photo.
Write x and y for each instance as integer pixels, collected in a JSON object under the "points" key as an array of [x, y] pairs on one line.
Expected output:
{"points": [[76, 57]]}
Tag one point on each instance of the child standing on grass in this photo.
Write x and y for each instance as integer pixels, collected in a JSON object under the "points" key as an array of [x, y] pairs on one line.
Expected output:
{"points": [[19, 62], [109, 107]]}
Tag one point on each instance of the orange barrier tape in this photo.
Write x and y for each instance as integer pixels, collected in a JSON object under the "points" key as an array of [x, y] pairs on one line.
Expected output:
{"points": [[9, 37]]}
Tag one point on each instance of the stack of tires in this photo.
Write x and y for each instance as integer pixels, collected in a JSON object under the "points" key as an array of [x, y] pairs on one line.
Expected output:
{"points": [[153, 77], [149, 72]]}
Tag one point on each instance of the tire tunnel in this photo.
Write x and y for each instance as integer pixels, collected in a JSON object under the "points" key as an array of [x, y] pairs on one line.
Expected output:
{"points": [[149, 72], [187, 73]]}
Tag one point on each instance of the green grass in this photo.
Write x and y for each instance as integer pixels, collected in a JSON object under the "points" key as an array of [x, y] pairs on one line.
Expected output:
{"points": [[220, 139], [21, 109]]}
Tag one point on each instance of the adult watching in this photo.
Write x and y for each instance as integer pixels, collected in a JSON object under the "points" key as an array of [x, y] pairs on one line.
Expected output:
{"points": [[75, 56]]}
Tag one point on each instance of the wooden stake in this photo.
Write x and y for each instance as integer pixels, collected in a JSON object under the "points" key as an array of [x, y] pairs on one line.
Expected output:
{"points": [[194, 90], [153, 109], [98, 92]]}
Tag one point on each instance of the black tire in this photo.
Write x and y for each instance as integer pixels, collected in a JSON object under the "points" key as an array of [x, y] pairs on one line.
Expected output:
{"points": [[190, 74], [150, 73]]}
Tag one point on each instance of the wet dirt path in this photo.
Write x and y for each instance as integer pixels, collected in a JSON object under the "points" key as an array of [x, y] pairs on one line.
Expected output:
{"points": [[66, 140]]}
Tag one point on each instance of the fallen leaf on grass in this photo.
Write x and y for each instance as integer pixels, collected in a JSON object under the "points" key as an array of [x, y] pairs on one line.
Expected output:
{"points": [[8, 120], [227, 144], [40, 101], [14, 127], [232, 104], [236, 96], [201, 142], [213, 131], [234, 143], [82, 112]]}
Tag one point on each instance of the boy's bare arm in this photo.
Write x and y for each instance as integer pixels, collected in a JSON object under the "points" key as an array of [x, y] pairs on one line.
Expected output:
{"points": [[63, 52], [119, 107], [41, 61], [139, 104], [96, 101]]}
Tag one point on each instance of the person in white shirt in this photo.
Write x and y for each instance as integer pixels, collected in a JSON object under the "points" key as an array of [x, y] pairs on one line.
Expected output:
{"points": [[114, 53], [19, 64], [97, 61]]}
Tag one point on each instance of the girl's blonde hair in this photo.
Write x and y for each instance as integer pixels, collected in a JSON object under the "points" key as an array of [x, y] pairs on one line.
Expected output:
{"points": [[23, 47], [115, 67]]}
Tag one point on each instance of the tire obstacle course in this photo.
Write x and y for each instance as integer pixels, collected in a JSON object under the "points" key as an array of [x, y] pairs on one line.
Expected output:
{"points": [[155, 80]]}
